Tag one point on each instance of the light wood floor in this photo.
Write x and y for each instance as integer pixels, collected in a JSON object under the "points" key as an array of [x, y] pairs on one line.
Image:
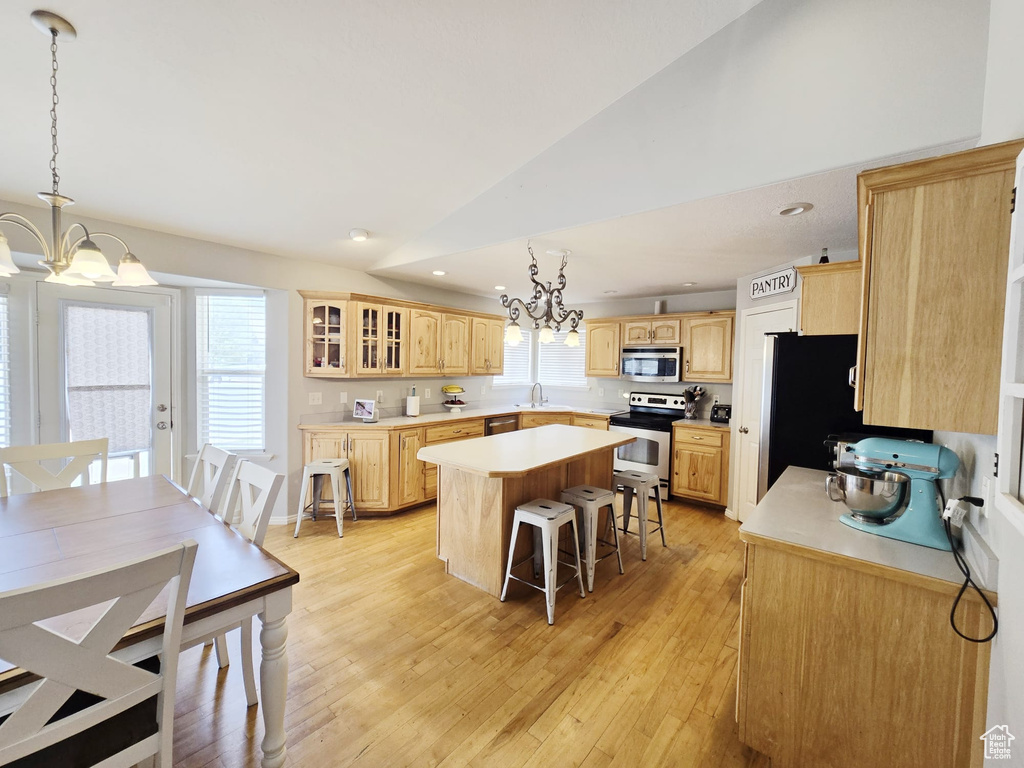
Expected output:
{"points": [[393, 663]]}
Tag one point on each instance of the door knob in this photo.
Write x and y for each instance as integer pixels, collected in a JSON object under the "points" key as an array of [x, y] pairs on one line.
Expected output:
{"points": [[161, 425], [744, 430]]}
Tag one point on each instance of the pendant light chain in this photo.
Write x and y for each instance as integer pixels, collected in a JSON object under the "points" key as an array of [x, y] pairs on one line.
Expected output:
{"points": [[53, 111]]}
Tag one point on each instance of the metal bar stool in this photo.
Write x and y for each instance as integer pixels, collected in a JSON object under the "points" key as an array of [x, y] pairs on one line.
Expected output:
{"points": [[590, 500], [640, 483], [546, 517], [316, 471]]}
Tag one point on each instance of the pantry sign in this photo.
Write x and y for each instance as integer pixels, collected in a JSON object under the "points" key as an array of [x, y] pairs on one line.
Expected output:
{"points": [[783, 281]]}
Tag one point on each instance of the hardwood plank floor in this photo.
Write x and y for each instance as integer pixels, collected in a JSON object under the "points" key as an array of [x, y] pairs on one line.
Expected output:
{"points": [[393, 663]]}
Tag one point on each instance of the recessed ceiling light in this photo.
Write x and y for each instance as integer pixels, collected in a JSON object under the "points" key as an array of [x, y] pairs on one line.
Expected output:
{"points": [[358, 234], [499, 287], [440, 272], [688, 285], [611, 291], [794, 209]]}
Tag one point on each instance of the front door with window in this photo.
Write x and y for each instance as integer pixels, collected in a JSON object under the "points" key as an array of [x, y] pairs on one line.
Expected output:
{"points": [[105, 371]]}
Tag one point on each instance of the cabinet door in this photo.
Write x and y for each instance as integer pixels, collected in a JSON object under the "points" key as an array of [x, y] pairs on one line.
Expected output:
{"points": [[830, 298], [496, 347], [324, 445], [528, 420], [697, 472], [592, 422], [707, 347], [480, 346], [394, 340], [410, 469], [455, 345], [368, 461], [325, 338], [636, 332], [665, 332], [603, 349], [425, 342], [366, 322]]}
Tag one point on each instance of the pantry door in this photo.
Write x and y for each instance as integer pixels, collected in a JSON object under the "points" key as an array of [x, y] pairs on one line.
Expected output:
{"points": [[105, 371]]}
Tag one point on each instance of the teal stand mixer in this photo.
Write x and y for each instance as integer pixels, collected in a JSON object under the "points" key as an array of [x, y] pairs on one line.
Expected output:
{"points": [[889, 487]]}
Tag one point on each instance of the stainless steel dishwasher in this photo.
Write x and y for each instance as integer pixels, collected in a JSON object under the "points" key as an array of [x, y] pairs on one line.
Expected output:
{"points": [[500, 424]]}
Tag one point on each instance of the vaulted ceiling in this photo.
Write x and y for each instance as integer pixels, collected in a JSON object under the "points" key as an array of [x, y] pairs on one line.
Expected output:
{"points": [[652, 137]]}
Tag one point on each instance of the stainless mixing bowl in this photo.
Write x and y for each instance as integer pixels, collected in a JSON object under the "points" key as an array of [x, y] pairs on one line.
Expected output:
{"points": [[872, 496]]}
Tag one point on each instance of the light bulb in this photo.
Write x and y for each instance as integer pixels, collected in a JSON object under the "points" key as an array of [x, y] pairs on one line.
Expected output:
{"points": [[90, 264], [131, 273], [546, 335], [572, 338], [7, 265], [513, 334]]}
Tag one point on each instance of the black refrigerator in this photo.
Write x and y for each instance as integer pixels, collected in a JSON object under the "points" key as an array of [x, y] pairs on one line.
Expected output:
{"points": [[807, 398]]}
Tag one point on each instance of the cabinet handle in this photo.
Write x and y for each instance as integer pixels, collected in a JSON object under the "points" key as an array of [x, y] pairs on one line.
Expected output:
{"points": [[687, 366], [456, 431], [853, 376], [696, 437]]}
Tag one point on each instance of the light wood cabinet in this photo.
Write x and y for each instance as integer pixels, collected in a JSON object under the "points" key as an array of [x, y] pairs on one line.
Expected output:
{"points": [[830, 298], [368, 456], [603, 347], [495, 347], [707, 347], [487, 347], [454, 345], [425, 346], [593, 422], [380, 339], [529, 420], [326, 343], [849, 664], [700, 463], [651, 331], [934, 242], [411, 480]]}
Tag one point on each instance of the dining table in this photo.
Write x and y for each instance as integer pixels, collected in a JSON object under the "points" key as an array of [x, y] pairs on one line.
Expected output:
{"points": [[63, 533]]}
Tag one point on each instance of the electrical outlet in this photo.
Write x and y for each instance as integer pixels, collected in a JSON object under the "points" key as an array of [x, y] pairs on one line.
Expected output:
{"points": [[622, 393], [426, 394], [316, 398], [483, 391], [716, 400], [380, 395], [344, 397], [600, 391]]}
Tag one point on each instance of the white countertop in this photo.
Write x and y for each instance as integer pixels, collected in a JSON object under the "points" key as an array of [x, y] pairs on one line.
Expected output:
{"points": [[466, 413], [701, 423], [797, 511], [512, 454]]}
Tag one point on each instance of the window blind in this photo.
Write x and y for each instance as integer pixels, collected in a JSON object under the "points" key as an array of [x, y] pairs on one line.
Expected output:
{"points": [[231, 365], [518, 362], [5, 373], [562, 366]]}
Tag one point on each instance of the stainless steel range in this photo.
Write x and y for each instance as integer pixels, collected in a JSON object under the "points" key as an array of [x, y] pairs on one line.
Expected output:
{"points": [[649, 420]]}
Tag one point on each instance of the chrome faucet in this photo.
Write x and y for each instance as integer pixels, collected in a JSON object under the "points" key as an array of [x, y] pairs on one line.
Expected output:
{"points": [[533, 402]]}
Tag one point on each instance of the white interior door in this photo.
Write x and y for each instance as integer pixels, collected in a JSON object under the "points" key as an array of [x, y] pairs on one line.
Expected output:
{"points": [[105, 371], [755, 323]]}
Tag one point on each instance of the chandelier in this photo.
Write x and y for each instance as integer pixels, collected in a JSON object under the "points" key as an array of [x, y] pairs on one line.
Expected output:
{"points": [[544, 305], [71, 260]]}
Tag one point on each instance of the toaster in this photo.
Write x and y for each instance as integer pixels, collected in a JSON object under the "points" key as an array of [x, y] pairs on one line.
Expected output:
{"points": [[721, 413]]}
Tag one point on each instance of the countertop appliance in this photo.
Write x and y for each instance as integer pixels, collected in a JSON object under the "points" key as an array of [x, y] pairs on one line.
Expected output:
{"points": [[721, 413], [649, 420], [877, 494], [806, 398], [499, 424], [661, 364]]}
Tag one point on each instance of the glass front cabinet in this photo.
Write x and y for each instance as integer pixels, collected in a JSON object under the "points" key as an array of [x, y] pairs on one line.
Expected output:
{"points": [[380, 331], [325, 338]]}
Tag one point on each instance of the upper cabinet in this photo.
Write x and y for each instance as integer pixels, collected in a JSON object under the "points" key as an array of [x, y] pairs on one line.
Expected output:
{"points": [[830, 298], [326, 343], [934, 243], [350, 335], [603, 347], [707, 347], [651, 331]]}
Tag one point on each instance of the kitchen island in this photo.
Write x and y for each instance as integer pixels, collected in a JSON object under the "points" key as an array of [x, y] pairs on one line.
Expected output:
{"points": [[481, 480]]}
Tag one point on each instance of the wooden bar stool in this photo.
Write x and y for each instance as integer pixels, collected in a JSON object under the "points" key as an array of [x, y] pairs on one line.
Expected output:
{"points": [[547, 517], [590, 500], [316, 471], [640, 483]]}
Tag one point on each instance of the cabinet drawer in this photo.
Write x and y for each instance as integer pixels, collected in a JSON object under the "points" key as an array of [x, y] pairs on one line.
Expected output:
{"points": [[430, 481], [590, 421], [457, 431], [699, 437], [528, 420]]}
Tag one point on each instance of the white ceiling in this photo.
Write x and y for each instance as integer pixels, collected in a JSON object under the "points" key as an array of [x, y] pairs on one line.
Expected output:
{"points": [[652, 137]]}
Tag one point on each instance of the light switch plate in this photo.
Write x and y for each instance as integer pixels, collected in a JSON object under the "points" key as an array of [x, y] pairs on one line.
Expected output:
{"points": [[316, 398], [600, 391], [426, 394], [344, 397], [380, 395]]}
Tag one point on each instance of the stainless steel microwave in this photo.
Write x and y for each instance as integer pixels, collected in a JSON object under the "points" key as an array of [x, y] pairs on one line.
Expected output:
{"points": [[651, 363]]}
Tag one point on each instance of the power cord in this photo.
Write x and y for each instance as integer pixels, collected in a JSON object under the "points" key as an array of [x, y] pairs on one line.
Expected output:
{"points": [[953, 514]]}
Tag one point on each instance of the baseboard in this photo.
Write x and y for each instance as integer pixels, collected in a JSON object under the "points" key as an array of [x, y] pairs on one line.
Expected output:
{"points": [[731, 515], [286, 520]]}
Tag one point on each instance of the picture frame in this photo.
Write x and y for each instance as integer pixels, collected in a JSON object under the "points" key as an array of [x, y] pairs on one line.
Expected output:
{"points": [[365, 410]]}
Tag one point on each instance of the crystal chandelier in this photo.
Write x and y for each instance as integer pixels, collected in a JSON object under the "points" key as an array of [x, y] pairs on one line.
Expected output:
{"points": [[71, 260], [544, 305]]}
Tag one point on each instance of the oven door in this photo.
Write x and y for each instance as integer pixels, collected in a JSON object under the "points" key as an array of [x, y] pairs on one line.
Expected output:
{"points": [[647, 364], [650, 452]]}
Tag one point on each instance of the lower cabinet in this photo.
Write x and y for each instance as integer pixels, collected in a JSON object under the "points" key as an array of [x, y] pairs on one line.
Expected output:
{"points": [[529, 420], [700, 464], [593, 422], [368, 453], [411, 479]]}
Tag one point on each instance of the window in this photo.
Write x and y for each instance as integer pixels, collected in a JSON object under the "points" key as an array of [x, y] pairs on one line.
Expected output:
{"points": [[562, 366], [5, 373], [231, 364], [518, 362]]}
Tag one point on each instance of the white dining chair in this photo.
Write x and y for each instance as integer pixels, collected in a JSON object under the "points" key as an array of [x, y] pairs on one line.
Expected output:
{"points": [[252, 492], [210, 476], [27, 461], [87, 704]]}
